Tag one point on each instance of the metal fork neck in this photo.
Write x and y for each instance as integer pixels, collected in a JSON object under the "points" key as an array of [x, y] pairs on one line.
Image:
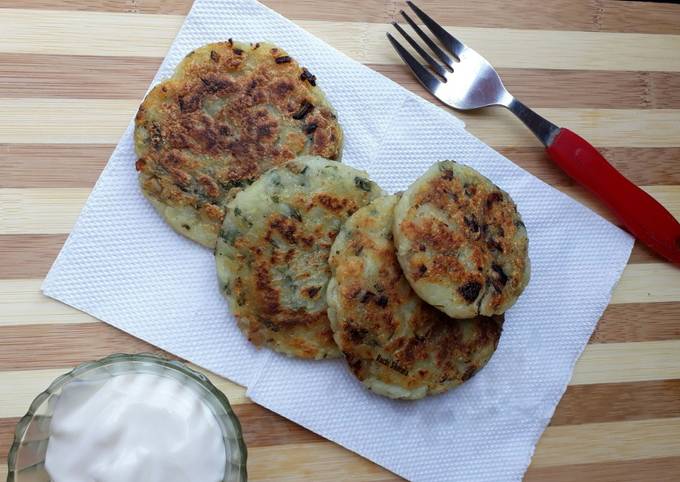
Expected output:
{"points": [[541, 127]]}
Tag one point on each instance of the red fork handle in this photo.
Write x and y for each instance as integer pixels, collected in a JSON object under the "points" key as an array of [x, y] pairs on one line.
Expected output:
{"points": [[642, 215]]}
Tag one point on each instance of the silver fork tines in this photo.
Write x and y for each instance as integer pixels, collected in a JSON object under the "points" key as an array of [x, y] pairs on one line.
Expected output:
{"points": [[433, 46], [427, 57], [468, 83], [448, 40]]}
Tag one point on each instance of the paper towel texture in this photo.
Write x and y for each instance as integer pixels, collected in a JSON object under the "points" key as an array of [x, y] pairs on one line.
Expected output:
{"points": [[125, 266]]}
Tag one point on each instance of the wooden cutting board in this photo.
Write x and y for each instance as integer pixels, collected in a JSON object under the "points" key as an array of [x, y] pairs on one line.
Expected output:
{"points": [[73, 72]]}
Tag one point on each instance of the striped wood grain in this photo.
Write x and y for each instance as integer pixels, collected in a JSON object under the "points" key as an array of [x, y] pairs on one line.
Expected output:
{"points": [[102, 121], [54, 210], [606, 68], [603, 15], [22, 302], [150, 35]]}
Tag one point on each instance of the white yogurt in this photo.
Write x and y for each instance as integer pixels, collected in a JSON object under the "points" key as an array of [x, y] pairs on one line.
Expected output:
{"points": [[134, 428]]}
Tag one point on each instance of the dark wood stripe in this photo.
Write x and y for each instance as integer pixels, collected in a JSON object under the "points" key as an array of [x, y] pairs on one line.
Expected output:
{"points": [[52, 165], [617, 402], [572, 88], [580, 404], [7, 427], [262, 427], [62, 345], [256, 421], [644, 166], [65, 345], [28, 256], [602, 15], [656, 470], [74, 76], [69, 345], [642, 254], [79, 165], [638, 322]]}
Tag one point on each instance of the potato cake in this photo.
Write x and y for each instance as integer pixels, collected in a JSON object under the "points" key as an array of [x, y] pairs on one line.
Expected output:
{"points": [[461, 242], [395, 343], [230, 112], [272, 252]]}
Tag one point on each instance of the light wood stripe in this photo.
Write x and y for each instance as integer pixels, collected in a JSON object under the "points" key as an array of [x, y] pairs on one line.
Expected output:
{"points": [[64, 121], [311, 462], [505, 47], [628, 362], [40, 211], [103, 34], [26, 384], [603, 442], [72, 76], [51, 32], [82, 121], [665, 469], [23, 304], [604, 15], [647, 283], [55, 210]]}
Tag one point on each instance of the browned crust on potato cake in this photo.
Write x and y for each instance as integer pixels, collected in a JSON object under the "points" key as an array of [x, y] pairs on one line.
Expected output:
{"points": [[463, 233], [230, 112], [272, 258], [395, 343]]}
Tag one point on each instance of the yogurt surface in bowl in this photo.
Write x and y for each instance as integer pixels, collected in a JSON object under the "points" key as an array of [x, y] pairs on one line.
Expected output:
{"points": [[134, 427]]}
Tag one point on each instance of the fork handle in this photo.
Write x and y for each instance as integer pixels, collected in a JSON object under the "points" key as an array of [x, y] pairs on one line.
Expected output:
{"points": [[640, 213]]}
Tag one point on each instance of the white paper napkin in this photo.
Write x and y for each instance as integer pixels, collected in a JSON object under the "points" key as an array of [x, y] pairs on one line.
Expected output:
{"points": [[123, 265]]}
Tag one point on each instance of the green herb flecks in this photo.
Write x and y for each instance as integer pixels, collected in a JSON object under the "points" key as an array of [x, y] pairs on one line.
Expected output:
{"points": [[295, 214], [363, 184], [229, 236]]}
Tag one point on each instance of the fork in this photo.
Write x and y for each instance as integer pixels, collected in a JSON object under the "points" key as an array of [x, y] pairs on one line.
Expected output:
{"points": [[463, 79]]}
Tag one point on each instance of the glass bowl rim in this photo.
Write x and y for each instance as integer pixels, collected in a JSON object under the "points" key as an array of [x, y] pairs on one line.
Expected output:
{"points": [[62, 380]]}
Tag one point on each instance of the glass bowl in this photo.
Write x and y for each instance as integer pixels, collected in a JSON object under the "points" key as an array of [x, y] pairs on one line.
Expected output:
{"points": [[27, 453]]}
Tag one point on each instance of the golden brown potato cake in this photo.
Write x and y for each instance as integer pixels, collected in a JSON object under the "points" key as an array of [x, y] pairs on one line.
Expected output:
{"points": [[396, 344], [230, 112], [272, 253], [461, 242]]}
